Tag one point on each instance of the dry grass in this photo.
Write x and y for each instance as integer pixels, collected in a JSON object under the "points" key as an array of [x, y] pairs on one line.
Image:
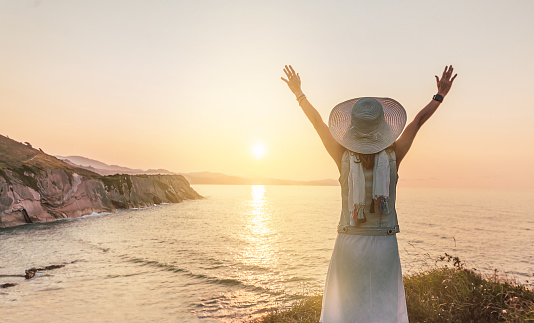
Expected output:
{"points": [[453, 293], [26, 162], [307, 310]]}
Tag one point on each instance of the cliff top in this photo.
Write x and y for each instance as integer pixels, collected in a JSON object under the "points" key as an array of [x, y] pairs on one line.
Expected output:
{"points": [[17, 156]]}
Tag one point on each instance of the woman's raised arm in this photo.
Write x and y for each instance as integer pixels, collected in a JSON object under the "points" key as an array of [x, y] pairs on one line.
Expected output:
{"points": [[332, 146], [405, 141]]}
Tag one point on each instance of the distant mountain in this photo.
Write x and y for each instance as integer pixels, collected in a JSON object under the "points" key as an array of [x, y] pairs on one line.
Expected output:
{"points": [[218, 178], [105, 169], [194, 178]]}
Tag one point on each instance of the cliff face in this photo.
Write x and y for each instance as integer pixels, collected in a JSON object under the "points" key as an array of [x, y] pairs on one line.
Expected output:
{"points": [[58, 195], [40, 188]]}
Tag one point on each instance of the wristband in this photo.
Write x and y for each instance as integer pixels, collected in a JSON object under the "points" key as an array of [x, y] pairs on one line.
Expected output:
{"points": [[438, 97]]}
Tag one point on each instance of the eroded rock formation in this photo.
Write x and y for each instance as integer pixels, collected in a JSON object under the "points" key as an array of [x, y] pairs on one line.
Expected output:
{"points": [[56, 194], [37, 187]]}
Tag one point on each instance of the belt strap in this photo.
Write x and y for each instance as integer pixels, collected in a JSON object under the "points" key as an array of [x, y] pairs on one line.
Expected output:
{"points": [[368, 231]]}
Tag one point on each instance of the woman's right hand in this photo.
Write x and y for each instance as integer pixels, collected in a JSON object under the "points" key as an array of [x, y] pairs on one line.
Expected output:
{"points": [[444, 84], [293, 80]]}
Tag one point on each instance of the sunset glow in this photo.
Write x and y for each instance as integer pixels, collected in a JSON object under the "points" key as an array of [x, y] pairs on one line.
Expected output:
{"points": [[184, 83], [258, 150]]}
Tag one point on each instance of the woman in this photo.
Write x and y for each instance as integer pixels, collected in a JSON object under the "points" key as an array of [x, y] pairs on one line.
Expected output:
{"points": [[364, 280]]}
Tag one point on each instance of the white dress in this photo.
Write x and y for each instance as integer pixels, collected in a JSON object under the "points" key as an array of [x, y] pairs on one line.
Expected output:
{"points": [[364, 280]]}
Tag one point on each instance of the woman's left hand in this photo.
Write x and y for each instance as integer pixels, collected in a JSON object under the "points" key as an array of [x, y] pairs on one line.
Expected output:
{"points": [[445, 83]]}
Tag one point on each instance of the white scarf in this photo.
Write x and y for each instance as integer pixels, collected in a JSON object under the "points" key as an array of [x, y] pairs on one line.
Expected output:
{"points": [[381, 179]]}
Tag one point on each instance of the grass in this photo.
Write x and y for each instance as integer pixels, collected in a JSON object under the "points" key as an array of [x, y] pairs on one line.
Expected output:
{"points": [[26, 162], [117, 181], [449, 292], [307, 310]]}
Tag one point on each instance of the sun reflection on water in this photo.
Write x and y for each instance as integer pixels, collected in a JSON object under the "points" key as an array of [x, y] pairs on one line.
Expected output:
{"points": [[258, 199], [260, 232]]}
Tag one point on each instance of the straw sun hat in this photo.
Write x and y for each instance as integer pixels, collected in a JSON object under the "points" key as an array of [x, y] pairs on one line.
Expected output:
{"points": [[367, 125]]}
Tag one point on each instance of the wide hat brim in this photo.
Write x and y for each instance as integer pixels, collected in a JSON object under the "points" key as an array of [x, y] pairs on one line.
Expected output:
{"points": [[340, 127]]}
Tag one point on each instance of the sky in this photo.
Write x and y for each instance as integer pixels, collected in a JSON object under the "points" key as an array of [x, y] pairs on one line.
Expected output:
{"points": [[195, 85]]}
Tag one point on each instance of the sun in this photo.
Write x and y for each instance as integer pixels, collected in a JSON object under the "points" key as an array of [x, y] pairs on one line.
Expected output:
{"points": [[258, 150]]}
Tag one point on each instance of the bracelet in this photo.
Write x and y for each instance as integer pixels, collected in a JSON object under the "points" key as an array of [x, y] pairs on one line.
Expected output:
{"points": [[301, 98], [438, 97], [300, 95]]}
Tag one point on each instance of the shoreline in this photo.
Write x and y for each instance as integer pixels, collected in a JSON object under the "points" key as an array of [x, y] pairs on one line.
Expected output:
{"points": [[94, 214], [54, 195]]}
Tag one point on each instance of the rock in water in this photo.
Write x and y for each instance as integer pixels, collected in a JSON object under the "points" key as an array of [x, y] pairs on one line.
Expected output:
{"points": [[30, 273]]}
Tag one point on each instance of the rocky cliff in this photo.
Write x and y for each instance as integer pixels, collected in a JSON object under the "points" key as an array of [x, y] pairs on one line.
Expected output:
{"points": [[36, 187]]}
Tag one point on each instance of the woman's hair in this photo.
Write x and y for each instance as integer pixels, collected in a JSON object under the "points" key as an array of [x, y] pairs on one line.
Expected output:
{"points": [[368, 160]]}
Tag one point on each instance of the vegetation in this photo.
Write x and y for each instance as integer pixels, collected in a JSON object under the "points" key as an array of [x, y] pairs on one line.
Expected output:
{"points": [[116, 182], [449, 292], [26, 162]]}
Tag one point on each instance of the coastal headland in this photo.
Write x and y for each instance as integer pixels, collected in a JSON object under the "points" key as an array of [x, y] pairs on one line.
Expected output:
{"points": [[36, 187]]}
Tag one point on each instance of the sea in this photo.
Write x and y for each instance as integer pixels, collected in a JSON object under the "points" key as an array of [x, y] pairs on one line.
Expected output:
{"points": [[241, 252]]}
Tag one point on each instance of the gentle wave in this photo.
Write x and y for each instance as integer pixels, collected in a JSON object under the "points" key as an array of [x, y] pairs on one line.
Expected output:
{"points": [[204, 277]]}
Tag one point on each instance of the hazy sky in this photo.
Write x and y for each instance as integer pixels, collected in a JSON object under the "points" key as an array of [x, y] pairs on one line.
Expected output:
{"points": [[192, 85]]}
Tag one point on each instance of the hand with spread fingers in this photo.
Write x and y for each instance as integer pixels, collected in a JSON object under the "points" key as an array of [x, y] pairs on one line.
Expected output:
{"points": [[293, 80], [332, 146], [403, 144], [445, 83]]}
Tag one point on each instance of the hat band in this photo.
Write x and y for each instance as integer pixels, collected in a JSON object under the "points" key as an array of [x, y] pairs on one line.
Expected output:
{"points": [[375, 135]]}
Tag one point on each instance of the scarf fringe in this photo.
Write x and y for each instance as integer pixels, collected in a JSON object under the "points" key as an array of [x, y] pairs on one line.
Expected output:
{"points": [[359, 213], [383, 203]]}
